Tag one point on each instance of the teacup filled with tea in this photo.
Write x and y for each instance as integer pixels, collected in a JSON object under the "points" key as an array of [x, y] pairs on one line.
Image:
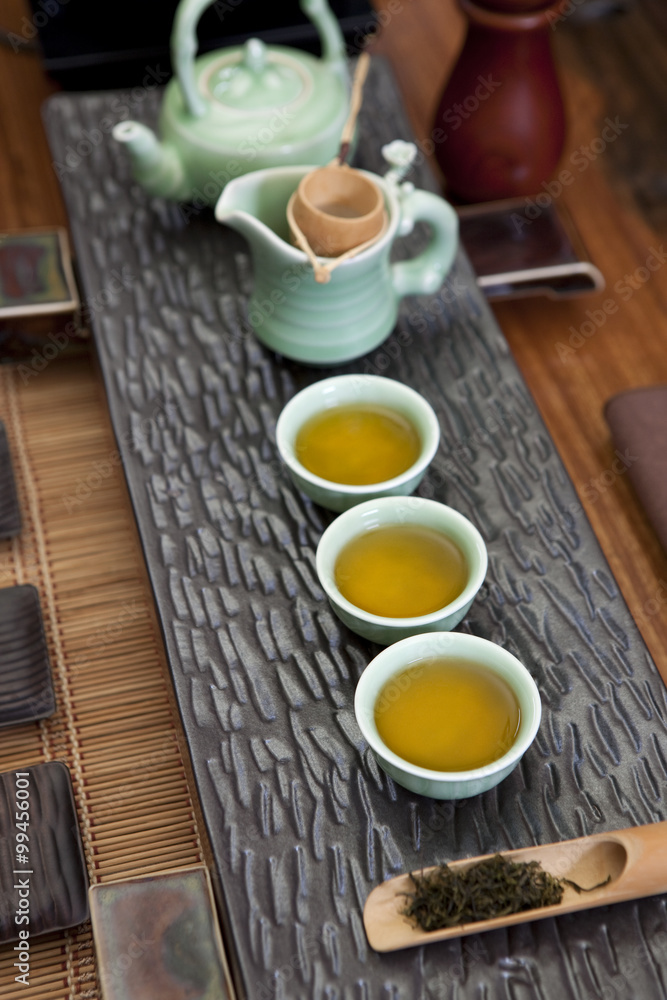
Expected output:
{"points": [[395, 567], [447, 715], [352, 438]]}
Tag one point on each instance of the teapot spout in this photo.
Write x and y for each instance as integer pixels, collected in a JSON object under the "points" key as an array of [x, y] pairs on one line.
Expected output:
{"points": [[155, 165], [331, 37]]}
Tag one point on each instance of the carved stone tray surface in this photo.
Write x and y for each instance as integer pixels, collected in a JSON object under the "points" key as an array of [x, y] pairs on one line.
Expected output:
{"points": [[302, 822]]}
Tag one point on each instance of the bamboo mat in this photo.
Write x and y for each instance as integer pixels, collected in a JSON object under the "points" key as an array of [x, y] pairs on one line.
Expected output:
{"points": [[116, 725]]}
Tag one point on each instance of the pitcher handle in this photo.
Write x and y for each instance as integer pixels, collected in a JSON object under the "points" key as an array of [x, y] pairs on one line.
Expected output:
{"points": [[423, 274], [184, 44]]}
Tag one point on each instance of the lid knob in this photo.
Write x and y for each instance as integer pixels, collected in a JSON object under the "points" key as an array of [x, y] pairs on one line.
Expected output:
{"points": [[254, 56], [256, 79]]}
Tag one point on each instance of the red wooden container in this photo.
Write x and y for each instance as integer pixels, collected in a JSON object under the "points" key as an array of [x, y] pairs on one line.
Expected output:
{"points": [[500, 125]]}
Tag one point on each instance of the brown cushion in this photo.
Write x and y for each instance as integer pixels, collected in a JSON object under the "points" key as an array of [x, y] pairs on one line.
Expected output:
{"points": [[638, 422]]}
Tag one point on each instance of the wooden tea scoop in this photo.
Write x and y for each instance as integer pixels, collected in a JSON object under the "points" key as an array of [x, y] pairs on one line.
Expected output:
{"points": [[634, 859]]}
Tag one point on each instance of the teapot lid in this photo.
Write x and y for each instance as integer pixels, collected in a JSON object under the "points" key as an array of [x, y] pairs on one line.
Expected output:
{"points": [[258, 102], [255, 78]]}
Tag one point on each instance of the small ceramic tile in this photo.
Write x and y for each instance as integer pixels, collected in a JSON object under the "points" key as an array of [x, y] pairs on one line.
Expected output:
{"points": [[158, 936], [43, 879], [10, 513], [26, 687]]}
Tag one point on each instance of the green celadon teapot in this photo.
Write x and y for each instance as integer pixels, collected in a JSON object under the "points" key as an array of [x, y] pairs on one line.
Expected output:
{"points": [[239, 109]]}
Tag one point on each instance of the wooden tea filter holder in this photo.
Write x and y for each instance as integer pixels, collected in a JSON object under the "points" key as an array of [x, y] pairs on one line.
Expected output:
{"points": [[337, 211]]}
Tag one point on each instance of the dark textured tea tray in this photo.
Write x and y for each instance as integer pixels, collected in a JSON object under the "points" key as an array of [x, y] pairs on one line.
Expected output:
{"points": [[50, 886], [10, 512], [158, 936], [26, 686], [301, 820]]}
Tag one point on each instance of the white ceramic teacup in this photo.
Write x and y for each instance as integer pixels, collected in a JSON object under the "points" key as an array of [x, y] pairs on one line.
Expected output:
{"points": [[343, 390], [399, 511]]}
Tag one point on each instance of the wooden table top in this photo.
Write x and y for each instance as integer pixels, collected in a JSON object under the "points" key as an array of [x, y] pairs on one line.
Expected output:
{"points": [[607, 67]]}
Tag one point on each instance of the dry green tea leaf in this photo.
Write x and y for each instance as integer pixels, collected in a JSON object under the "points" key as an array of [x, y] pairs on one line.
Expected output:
{"points": [[495, 887]]}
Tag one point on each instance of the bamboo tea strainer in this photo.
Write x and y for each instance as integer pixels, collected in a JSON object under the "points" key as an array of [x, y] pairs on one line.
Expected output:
{"points": [[337, 211]]}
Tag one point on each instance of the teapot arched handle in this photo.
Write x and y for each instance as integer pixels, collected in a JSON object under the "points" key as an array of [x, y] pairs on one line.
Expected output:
{"points": [[184, 44], [423, 274]]}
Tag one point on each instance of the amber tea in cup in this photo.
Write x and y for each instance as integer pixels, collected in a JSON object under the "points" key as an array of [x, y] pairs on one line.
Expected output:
{"points": [[395, 567], [358, 444], [352, 438], [401, 571], [447, 714]]}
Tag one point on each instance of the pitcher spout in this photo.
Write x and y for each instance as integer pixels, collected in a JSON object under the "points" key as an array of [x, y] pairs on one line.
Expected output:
{"points": [[244, 223], [255, 205], [255, 232], [156, 166]]}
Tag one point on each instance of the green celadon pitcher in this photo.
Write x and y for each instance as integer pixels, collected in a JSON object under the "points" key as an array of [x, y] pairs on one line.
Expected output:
{"points": [[350, 315]]}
